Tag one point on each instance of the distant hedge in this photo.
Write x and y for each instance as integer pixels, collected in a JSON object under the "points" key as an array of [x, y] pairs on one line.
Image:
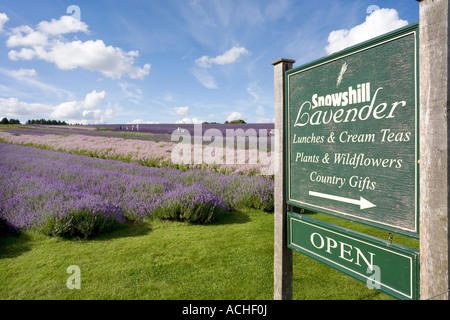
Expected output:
{"points": [[52, 122], [235, 121]]}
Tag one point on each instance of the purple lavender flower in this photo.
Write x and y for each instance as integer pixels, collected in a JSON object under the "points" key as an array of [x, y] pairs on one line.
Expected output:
{"points": [[68, 194]]}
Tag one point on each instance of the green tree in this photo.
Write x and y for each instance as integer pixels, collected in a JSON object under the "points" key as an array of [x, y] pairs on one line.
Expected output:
{"points": [[14, 121], [235, 121]]}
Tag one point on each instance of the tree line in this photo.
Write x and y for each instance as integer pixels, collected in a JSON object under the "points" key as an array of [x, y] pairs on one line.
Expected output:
{"points": [[43, 121], [10, 121], [34, 121], [226, 122]]}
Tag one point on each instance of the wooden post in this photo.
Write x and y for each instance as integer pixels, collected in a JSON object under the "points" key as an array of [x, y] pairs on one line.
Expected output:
{"points": [[434, 149], [282, 254]]}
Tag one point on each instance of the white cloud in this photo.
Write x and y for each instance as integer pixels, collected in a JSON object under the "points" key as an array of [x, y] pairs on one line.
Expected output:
{"points": [[23, 73], [188, 120], [46, 43], [67, 110], [181, 111], [94, 99], [72, 111], [204, 78], [235, 116], [24, 53], [78, 110], [205, 62], [13, 107], [26, 36], [3, 19], [377, 23], [97, 116], [228, 57], [65, 24], [140, 121]]}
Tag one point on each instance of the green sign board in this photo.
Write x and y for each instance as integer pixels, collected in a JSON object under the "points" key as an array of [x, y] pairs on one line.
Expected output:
{"points": [[382, 265], [352, 133]]}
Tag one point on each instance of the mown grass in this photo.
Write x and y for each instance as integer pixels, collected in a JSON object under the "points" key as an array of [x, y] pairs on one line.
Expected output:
{"points": [[231, 258]]}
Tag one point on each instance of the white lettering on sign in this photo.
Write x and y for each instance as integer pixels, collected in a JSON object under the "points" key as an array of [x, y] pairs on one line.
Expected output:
{"points": [[342, 250], [339, 181], [352, 96]]}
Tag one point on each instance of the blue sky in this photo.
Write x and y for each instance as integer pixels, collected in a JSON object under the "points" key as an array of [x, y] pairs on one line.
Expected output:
{"points": [[169, 61]]}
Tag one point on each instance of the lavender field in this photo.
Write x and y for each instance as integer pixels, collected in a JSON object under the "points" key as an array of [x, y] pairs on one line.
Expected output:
{"points": [[169, 128], [74, 195], [153, 145], [155, 132], [62, 187]]}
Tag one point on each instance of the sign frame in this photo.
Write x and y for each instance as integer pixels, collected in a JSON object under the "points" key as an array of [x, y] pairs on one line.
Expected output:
{"points": [[412, 232], [395, 286]]}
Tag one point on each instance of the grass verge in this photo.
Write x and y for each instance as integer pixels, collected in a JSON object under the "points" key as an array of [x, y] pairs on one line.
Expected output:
{"points": [[231, 258]]}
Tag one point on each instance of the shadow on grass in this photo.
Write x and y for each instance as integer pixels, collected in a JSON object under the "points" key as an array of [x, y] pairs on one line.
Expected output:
{"points": [[12, 245], [219, 219], [125, 230], [235, 217]]}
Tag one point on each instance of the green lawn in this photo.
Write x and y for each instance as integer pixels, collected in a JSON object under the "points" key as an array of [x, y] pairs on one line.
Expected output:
{"points": [[229, 259]]}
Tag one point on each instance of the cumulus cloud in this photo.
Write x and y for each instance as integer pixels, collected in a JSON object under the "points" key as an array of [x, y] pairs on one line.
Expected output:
{"points": [[94, 99], [377, 23], [80, 109], [235, 116], [228, 57], [205, 62], [65, 24], [46, 42], [13, 107], [3, 19], [85, 111], [188, 120], [26, 36]]}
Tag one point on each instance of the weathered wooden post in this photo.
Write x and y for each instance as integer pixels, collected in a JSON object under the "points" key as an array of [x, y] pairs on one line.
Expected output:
{"points": [[282, 255], [434, 149]]}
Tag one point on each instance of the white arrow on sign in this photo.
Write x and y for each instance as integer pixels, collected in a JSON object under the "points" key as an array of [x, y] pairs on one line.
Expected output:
{"points": [[362, 203]]}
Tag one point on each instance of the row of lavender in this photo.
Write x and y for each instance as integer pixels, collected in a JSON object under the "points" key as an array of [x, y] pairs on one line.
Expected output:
{"points": [[73, 195], [158, 131], [169, 128], [142, 149], [109, 132]]}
